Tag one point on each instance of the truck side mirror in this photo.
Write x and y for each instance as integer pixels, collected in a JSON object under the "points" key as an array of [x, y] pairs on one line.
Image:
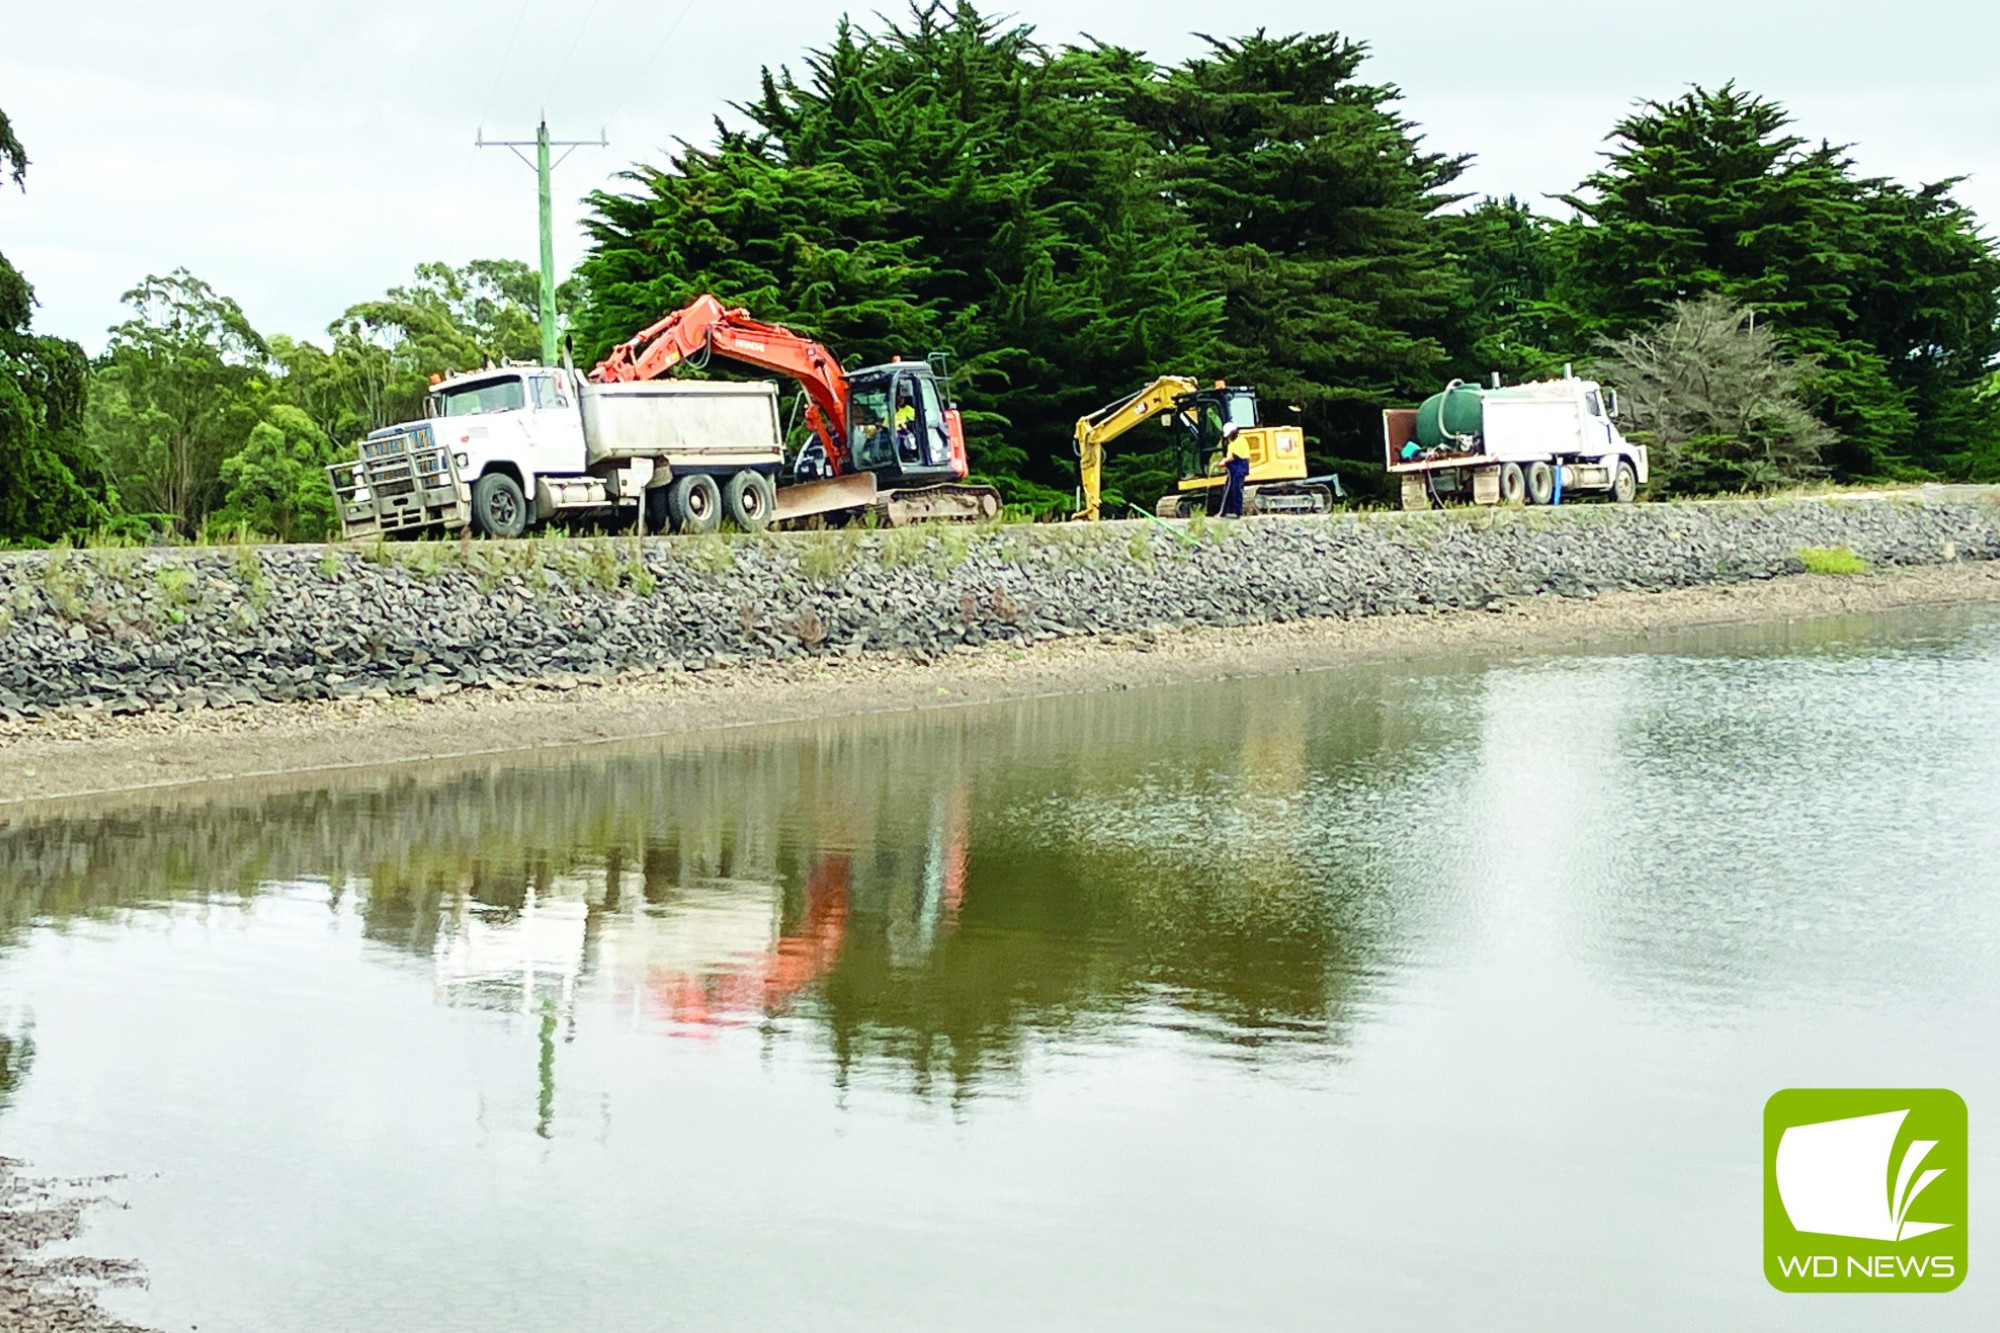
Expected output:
{"points": [[1611, 402]]}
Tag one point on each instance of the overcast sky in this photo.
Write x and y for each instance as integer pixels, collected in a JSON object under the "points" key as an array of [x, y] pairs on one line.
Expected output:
{"points": [[305, 155]]}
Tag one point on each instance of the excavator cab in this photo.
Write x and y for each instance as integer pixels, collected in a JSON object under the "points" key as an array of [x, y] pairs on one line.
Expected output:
{"points": [[1201, 418], [900, 427]]}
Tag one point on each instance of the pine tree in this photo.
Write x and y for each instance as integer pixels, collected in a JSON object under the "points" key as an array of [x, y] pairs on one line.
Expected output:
{"points": [[1890, 292], [1713, 394], [1508, 256], [1316, 203]]}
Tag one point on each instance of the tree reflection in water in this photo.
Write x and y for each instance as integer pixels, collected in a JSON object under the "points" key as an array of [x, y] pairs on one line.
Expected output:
{"points": [[924, 894]]}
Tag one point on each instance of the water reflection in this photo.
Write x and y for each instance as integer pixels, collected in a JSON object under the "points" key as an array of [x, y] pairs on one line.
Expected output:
{"points": [[916, 894], [1244, 864], [17, 1054], [1219, 1007]]}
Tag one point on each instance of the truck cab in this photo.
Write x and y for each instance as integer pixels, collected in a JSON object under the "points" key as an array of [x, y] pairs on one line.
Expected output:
{"points": [[524, 418], [524, 421]]}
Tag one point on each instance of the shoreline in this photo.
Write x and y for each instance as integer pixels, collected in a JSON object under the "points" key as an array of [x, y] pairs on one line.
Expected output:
{"points": [[100, 757]]}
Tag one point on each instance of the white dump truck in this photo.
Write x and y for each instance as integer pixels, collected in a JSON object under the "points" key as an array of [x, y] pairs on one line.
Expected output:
{"points": [[506, 449], [1536, 443]]}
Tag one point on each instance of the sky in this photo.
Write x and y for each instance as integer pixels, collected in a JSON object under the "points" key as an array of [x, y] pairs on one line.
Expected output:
{"points": [[304, 156]]}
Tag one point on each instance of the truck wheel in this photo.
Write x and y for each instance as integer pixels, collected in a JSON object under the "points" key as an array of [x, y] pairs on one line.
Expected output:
{"points": [[1624, 483], [499, 509], [1541, 483], [695, 503], [748, 499], [1513, 486], [654, 503]]}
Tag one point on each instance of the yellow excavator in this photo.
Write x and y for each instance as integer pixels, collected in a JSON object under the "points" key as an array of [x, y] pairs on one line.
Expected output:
{"points": [[1277, 484]]}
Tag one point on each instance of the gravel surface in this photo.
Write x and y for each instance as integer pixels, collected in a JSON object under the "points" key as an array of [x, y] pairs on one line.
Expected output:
{"points": [[316, 656], [42, 1292], [127, 632], [91, 754]]}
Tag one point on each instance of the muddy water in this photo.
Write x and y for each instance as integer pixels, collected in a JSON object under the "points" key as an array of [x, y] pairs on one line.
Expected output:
{"points": [[1443, 995]]}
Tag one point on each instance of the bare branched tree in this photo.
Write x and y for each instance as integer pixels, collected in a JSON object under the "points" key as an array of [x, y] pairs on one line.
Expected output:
{"points": [[1716, 398]]}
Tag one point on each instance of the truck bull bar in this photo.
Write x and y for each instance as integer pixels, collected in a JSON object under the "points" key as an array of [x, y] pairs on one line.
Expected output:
{"points": [[403, 481]]}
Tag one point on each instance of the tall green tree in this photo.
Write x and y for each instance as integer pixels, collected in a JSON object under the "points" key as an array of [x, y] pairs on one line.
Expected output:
{"points": [[1510, 261], [13, 157], [177, 391], [1315, 202], [1890, 291], [51, 485], [276, 484], [384, 351]]}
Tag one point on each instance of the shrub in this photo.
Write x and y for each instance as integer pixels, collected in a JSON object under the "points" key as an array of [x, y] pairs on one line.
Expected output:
{"points": [[1832, 560]]}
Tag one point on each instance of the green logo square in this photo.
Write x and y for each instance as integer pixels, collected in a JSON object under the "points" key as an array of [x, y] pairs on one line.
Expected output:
{"points": [[1864, 1189]]}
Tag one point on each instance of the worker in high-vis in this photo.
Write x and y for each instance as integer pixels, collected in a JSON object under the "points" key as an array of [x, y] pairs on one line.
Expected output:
{"points": [[1236, 470]]}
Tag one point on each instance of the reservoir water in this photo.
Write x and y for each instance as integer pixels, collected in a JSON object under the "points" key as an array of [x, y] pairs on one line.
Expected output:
{"points": [[1428, 995]]}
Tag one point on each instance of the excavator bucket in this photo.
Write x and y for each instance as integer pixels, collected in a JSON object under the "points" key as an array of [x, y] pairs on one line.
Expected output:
{"points": [[832, 496]]}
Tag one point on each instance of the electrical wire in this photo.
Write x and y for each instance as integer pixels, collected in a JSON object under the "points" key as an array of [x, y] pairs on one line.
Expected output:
{"points": [[500, 70], [574, 42], [638, 80]]}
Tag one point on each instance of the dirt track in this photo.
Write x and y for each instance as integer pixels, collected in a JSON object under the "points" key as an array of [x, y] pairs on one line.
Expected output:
{"points": [[76, 756]]}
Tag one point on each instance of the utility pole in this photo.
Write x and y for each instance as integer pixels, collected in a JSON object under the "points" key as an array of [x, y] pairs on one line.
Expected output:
{"points": [[541, 143]]}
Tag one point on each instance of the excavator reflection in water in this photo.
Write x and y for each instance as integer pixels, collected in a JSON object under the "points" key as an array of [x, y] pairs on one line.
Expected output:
{"points": [[697, 964], [715, 953]]}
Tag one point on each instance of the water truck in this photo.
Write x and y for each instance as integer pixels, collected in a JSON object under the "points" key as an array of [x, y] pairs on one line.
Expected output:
{"points": [[1539, 443]]}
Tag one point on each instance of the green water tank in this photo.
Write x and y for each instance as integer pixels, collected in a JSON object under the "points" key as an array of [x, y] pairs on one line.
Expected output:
{"points": [[1459, 406]]}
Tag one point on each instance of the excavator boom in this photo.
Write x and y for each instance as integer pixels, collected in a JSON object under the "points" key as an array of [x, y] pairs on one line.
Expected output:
{"points": [[1108, 423], [706, 327]]}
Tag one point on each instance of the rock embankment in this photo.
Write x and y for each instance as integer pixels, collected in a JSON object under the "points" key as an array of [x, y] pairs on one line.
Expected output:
{"points": [[132, 631]]}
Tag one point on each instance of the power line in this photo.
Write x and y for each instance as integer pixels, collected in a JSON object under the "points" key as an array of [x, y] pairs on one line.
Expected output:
{"points": [[647, 68], [574, 42], [500, 70]]}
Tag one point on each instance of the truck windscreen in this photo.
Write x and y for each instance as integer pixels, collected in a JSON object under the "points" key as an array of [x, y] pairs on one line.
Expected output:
{"points": [[496, 396]]}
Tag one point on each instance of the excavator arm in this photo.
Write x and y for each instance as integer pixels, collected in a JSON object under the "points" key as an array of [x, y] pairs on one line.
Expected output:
{"points": [[706, 327], [1108, 423]]}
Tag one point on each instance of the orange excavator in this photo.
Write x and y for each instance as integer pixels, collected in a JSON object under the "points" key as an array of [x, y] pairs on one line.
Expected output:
{"points": [[885, 439]]}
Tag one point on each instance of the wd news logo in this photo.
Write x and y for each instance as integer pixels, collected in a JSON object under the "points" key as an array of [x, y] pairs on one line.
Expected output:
{"points": [[1864, 1189]]}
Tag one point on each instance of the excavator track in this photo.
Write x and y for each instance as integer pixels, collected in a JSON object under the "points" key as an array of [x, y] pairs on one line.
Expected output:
{"points": [[948, 503], [1268, 498], [1283, 498]]}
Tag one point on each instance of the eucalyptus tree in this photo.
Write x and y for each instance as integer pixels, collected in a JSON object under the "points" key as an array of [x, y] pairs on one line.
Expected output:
{"points": [[177, 390]]}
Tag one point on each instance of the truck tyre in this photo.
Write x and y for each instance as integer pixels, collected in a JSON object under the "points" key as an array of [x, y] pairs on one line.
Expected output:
{"points": [[1541, 483], [694, 502], [748, 500], [1624, 483], [499, 509], [1513, 486], [653, 502]]}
